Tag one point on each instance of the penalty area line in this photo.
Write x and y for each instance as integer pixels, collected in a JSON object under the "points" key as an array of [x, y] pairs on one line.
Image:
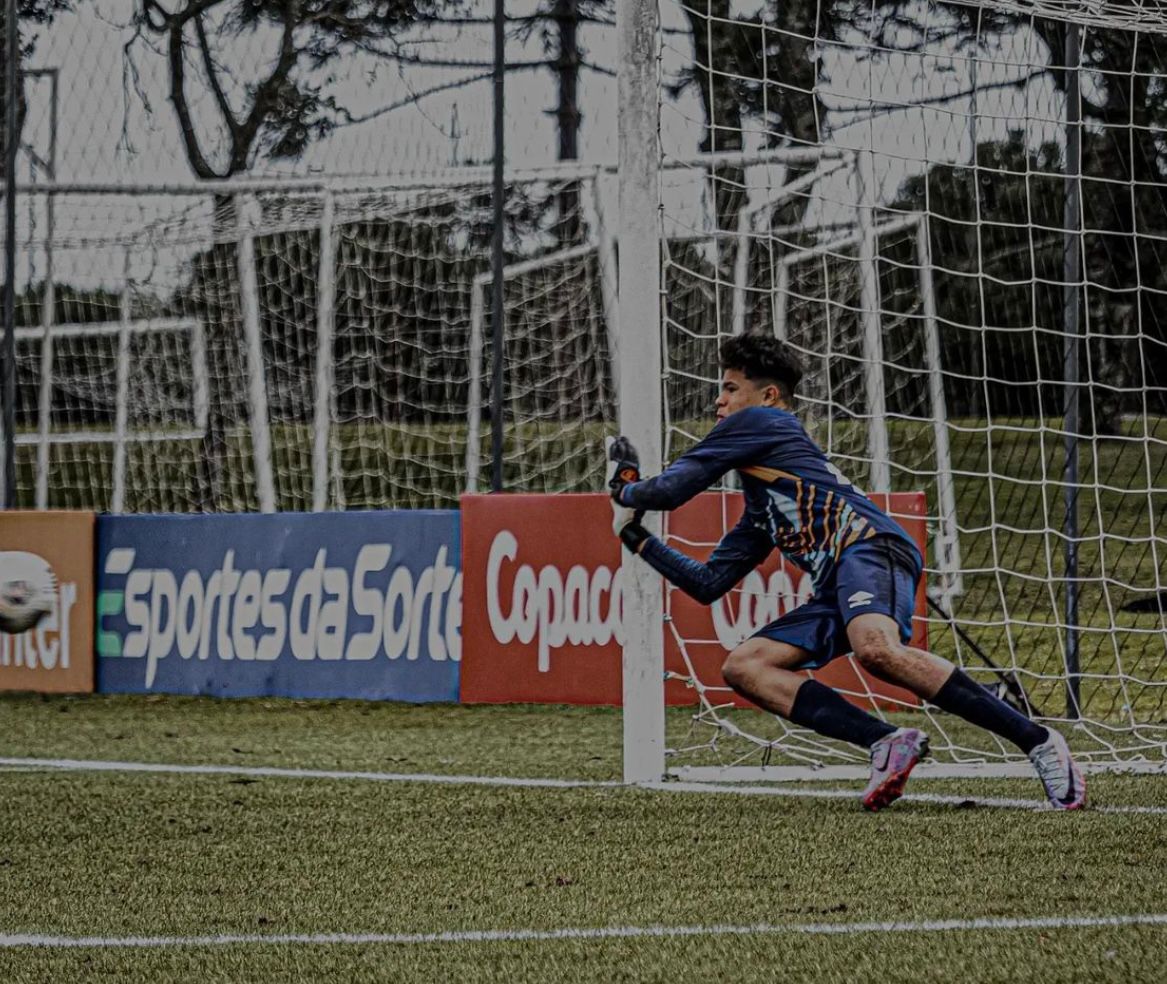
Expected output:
{"points": [[14, 940], [275, 772]]}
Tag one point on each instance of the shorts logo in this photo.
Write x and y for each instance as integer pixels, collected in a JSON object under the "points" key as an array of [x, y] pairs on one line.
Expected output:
{"points": [[860, 598]]}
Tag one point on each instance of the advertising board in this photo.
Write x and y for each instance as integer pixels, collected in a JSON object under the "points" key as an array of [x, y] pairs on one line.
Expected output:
{"points": [[299, 605], [543, 599], [57, 655]]}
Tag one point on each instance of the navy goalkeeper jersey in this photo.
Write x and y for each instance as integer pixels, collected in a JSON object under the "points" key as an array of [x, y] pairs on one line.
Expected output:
{"points": [[795, 501]]}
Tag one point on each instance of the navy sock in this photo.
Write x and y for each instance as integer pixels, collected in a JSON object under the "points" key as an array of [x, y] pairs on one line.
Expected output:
{"points": [[963, 696], [823, 711]]}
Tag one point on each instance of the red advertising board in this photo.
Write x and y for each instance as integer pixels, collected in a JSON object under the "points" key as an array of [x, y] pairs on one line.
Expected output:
{"points": [[542, 602]]}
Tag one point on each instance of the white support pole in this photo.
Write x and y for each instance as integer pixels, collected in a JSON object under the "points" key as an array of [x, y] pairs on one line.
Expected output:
{"points": [[780, 301], [45, 394], [741, 273], [257, 382], [200, 375], [474, 394], [877, 442], [325, 376], [948, 537], [122, 398], [641, 404], [609, 277]]}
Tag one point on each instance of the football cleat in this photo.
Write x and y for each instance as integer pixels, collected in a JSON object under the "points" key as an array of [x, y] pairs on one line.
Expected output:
{"points": [[1059, 773], [892, 760]]}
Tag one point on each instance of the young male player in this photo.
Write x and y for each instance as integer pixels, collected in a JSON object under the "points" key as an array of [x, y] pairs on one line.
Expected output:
{"points": [[863, 566]]}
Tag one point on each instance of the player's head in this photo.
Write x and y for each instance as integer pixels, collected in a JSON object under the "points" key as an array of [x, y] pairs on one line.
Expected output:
{"points": [[756, 371]]}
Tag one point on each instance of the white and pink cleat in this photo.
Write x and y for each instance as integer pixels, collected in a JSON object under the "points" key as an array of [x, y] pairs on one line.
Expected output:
{"points": [[1059, 773], [892, 760]]}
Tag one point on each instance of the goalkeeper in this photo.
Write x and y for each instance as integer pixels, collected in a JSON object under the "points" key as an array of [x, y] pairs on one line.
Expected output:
{"points": [[863, 566]]}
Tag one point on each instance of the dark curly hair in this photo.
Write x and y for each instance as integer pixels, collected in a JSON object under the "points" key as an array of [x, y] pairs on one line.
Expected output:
{"points": [[763, 359]]}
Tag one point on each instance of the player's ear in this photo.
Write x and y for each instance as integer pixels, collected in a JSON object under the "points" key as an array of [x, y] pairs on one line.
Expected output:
{"points": [[771, 396]]}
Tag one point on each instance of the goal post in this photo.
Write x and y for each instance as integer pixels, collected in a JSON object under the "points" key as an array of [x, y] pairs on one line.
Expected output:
{"points": [[640, 393]]}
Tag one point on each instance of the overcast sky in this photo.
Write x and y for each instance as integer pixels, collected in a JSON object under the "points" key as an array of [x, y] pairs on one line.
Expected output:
{"points": [[115, 127]]}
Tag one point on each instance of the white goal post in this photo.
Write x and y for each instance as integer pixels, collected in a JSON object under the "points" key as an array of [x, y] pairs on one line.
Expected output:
{"points": [[44, 339]]}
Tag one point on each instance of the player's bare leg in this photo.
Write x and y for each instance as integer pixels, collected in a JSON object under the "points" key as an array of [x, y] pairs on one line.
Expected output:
{"points": [[876, 642], [762, 671]]}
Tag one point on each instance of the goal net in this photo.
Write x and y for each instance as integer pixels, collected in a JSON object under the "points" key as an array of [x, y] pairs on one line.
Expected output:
{"points": [[955, 213], [957, 216], [301, 345]]}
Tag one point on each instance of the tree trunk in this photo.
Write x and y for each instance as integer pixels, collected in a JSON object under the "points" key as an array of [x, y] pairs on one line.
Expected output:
{"points": [[566, 15], [21, 104]]}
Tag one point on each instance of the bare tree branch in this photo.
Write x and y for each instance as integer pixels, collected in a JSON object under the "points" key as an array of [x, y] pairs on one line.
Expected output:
{"points": [[167, 19], [213, 77], [176, 53], [131, 80], [280, 112], [267, 91], [598, 69], [413, 97], [422, 60], [885, 108]]}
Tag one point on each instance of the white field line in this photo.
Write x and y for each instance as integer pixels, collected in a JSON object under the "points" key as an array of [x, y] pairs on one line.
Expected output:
{"points": [[90, 765], [272, 772], [13, 940], [941, 798]]}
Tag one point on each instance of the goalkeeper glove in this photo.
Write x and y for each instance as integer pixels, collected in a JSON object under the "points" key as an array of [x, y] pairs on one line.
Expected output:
{"points": [[626, 525], [625, 470], [625, 465], [633, 535]]}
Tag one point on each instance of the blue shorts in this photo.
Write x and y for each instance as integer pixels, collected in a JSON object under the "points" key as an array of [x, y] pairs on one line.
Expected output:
{"points": [[878, 575]]}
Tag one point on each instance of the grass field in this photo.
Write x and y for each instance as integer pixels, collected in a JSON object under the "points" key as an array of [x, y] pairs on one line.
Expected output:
{"points": [[563, 883]]}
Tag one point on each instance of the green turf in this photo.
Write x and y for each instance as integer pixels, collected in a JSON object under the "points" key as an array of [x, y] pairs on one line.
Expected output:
{"points": [[122, 854]]}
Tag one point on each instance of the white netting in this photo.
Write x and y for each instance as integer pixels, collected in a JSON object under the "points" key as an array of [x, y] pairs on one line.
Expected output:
{"points": [[186, 354], [889, 196], [956, 120]]}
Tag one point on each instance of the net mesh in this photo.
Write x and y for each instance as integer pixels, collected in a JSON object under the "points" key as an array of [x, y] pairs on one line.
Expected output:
{"points": [[951, 123], [888, 194], [191, 325]]}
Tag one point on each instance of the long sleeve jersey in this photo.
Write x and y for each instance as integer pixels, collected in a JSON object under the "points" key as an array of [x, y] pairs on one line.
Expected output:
{"points": [[796, 501]]}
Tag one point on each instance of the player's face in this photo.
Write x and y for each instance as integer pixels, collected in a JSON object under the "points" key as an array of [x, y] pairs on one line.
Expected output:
{"points": [[738, 392]]}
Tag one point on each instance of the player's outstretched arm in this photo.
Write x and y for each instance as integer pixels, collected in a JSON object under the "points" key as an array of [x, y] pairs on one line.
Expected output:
{"points": [[736, 441], [738, 553]]}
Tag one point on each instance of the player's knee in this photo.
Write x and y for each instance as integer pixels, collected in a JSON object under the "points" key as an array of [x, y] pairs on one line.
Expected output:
{"points": [[742, 664], [878, 653]]}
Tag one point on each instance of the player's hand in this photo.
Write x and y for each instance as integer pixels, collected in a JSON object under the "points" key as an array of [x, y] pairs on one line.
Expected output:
{"points": [[625, 465], [623, 516]]}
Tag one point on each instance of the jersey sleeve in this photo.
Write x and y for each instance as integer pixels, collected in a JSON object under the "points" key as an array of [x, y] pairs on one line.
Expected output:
{"points": [[734, 442], [738, 553]]}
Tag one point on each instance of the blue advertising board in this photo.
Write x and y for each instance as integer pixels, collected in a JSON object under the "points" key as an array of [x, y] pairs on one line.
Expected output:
{"points": [[363, 604]]}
